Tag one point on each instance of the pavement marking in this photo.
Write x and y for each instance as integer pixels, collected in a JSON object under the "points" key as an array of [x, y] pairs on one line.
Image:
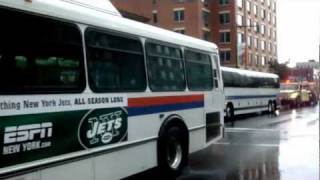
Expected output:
{"points": [[313, 122], [249, 129], [275, 123], [243, 144]]}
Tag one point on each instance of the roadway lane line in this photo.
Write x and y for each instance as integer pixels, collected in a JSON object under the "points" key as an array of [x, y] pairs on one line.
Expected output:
{"points": [[243, 144], [249, 129]]}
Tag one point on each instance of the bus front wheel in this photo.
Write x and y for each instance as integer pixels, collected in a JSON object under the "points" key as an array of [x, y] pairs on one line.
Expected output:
{"points": [[172, 152]]}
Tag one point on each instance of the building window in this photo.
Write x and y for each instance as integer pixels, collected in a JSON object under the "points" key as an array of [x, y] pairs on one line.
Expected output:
{"points": [[248, 6], [240, 37], [224, 18], [179, 15], [248, 23], [263, 13], [268, 32], [262, 29], [205, 18], [258, 60], [274, 34], [272, 48], [255, 9], [225, 55], [180, 1], [262, 45], [274, 20], [223, 2], [179, 30], [269, 47], [268, 3], [205, 3], [269, 17], [255, 43], [224, 37], [249, 41], [255, 61], [263, 61], [240, 3], [256, 26], [250, 59], [206, 35], [155, 17], [239, 20]]}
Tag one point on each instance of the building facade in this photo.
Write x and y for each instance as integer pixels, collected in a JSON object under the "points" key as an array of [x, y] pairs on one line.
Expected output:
{"points": [[182, 16], [301, 75], [310, 64], [244, 30]]}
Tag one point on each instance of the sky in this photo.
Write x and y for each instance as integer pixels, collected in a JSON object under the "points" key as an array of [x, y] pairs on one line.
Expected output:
{"points": [[298, 25]]}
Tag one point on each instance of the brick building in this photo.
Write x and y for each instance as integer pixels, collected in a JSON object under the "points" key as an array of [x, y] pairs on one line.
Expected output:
{"points": [[310, 64], [244, 30], [301, 74]]}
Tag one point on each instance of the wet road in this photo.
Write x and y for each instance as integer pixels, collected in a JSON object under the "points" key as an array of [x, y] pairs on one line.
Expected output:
{"points": [[265, 147]]}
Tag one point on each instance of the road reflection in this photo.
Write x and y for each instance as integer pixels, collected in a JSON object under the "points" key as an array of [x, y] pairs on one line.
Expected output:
{"points": [[282, 147], [242, 156]]}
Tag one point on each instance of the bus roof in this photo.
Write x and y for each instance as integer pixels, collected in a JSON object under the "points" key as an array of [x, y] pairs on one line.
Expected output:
{"points": [[101, 13], [250, 73]]}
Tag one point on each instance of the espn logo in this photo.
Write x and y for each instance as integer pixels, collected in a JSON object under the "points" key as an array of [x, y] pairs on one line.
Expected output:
{"points": [[29, 132]]}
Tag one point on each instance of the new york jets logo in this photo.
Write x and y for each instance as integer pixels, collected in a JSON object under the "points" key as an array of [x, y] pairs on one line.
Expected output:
{"points": [[101, 127]]}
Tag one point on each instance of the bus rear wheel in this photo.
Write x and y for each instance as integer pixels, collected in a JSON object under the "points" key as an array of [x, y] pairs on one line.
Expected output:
{"points": [[230, 113], [172, 152], [271, 107]]}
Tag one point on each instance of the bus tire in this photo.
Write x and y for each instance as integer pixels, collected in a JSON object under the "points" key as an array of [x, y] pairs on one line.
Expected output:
{"points": [[229, 112], [275, 106], [271, 107], [172, 152]]}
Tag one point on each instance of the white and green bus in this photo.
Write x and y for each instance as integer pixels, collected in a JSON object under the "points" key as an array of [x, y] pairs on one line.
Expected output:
{"points": [[86, 94]]}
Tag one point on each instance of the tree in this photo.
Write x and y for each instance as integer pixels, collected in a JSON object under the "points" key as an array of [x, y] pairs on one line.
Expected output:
{"points": [[282, 70]]}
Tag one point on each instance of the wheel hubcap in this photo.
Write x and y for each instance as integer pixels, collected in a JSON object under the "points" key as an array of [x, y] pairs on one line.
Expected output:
{"points": [[174, 154], [270, 107], [228, 112]]}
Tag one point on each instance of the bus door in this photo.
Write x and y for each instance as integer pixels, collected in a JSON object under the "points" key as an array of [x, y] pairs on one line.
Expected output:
{"points": [[215, 107]]}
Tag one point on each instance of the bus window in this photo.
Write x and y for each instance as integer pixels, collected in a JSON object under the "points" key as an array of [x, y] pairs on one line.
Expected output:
{"points": [[215, 78], [244, 80], [216, 70], [237, 79], [227, 79], [250, 82], [114, 63], [199, 71], [165, 68], [276, 83], [39, 55]]}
